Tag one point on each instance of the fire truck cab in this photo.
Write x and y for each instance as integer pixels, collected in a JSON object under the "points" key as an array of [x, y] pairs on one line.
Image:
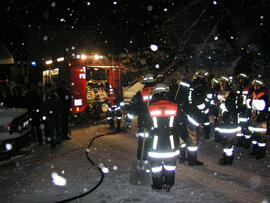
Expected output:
{"points": [[93, 80]]}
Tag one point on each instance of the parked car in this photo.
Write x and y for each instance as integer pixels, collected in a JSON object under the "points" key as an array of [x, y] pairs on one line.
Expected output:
{"points": [[15, 130]]}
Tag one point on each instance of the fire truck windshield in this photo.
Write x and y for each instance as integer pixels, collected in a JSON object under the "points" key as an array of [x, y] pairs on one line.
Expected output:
{"points": [[95, 74]]}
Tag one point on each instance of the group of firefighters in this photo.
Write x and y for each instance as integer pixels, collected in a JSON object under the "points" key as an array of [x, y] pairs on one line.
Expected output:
{"points": [[169, 119]]}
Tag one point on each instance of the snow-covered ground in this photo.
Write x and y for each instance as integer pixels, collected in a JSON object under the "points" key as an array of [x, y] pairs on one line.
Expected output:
{"points": [[29, 179]]}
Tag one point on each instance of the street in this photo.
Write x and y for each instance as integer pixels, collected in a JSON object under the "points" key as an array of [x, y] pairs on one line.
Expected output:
{"points": [[29, 178]]}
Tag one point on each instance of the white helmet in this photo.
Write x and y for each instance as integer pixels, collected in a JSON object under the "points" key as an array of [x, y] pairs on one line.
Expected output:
{"points": [[200, 74], [149, 78], [258, 82], [159, 88]]}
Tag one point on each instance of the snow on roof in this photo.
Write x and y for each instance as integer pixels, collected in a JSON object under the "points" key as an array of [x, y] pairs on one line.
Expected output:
{"points": [[129, 92]]}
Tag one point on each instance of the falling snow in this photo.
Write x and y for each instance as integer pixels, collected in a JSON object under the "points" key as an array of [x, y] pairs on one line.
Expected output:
{"points": [[58, 180], [45, 38], [153, 47]]}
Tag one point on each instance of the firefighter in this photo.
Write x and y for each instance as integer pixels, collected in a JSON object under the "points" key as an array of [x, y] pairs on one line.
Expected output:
{"points": [[198, 98], [115, 107], [258, 120], [164, 141], [242, 91], [181, 98], [50, 115], [224, 92], [138, 106], [227, 126], [212, 99], [197, 115]]}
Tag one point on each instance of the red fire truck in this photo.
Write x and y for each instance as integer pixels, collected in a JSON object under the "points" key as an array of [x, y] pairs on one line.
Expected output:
{"points": [[93, 79]]}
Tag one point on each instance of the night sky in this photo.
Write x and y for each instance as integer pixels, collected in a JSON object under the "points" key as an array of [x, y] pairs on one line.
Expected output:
{"points": [[40, 28], [79, 24]]}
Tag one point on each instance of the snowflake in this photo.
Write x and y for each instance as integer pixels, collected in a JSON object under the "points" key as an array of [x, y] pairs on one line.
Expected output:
{"points": [[153, 47], [105, 170], [58, 180], [53, 4], [149, 8], [8, 146]]}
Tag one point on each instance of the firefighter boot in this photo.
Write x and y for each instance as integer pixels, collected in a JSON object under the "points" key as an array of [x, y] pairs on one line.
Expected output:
{"points": [[169, 179], [217, 136], [192, 159], [206, 129], [239, 140], [247, 141], [254, 148], [157, 180], [182, 157], [118, 124], [261, 152], [126, 127], [226, 160]]}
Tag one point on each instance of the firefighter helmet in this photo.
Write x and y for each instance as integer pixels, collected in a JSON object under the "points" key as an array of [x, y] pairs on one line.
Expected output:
{"points": [[148, 78], [258, 82], [200, 74], [160, 88], [224, 79], [214, 81], [242, 75]]}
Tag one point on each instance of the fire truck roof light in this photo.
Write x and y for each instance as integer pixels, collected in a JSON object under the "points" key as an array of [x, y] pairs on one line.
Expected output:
{"points": [[33, 63], [60, 59], [48, 62], [96, 56], [78, 56], [83, 56]]}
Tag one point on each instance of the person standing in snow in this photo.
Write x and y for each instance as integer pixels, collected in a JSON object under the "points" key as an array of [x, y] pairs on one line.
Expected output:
{"points": [[242, 91], [197, 115], [163, 117], [258, 104], [115, 106], [65, 104], [50, 115], [180, 97], [138, 106], [227, 126], [34, 106], [199, 93]]}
